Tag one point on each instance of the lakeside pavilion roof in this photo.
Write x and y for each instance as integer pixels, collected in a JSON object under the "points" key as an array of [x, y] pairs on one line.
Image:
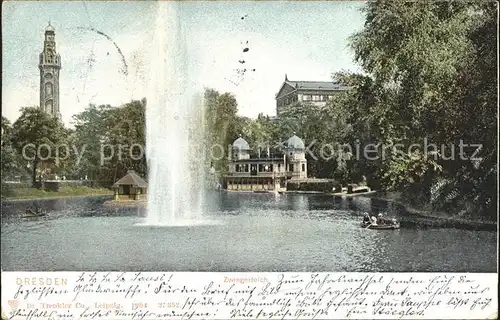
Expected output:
{"points": [[295, 143], [241, 144], [131, 179]]}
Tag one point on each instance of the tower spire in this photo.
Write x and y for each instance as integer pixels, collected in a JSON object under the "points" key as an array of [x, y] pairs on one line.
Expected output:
{"points": [[49, 65]]}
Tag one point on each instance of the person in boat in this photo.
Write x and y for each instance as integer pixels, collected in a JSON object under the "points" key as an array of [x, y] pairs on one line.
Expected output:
{"points": [[366, 218], [380, 219], [374, 221]]}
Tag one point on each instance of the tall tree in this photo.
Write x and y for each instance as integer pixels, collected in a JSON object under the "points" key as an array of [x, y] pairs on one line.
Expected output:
{"points": [[90, 133], [110, 140], [127, 136], [37, 136], [223, 126]]}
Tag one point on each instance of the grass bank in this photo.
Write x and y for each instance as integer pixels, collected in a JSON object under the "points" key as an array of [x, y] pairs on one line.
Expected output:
{"points": [[64, 192]]}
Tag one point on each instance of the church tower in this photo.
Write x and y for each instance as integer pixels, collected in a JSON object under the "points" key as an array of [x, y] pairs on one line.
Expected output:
{"points": [[50, 64]]}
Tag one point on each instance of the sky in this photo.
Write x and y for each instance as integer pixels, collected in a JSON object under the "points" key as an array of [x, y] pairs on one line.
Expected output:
{"points": [[306, 40]]}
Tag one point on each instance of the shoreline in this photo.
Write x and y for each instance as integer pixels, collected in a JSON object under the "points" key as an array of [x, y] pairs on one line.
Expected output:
{"points": [[125, 203], [35, 198], [434, 218], [350, 195], [437, 216]]}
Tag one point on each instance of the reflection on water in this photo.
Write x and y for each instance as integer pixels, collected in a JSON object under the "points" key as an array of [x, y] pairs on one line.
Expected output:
{"points": [[244, 232]]}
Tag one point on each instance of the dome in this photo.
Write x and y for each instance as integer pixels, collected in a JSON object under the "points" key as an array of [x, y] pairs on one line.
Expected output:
{"points": [[241, 144], [50, 28], [295, 143]]}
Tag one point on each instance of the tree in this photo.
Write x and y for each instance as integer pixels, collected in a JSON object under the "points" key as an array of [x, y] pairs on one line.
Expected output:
{"points": [[223, 126], [37, 136], [432, 75], [127, 136], [259, 133], [90, 133], [11, 164], [111, 141]]}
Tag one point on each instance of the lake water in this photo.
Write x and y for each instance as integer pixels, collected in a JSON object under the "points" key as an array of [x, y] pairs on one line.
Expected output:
{"points": [[247, 232]]}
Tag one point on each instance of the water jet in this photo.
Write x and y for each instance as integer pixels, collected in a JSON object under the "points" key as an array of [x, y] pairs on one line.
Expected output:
{"points": [[174, 127]]}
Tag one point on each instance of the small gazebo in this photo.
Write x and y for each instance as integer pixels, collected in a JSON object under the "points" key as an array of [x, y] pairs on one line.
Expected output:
{"points": [[130, 187]]}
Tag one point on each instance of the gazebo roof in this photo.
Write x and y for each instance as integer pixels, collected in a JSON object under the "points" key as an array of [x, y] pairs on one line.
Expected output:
{"points": [[132, 179]]}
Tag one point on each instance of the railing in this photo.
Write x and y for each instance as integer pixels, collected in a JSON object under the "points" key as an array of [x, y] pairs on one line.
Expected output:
{"points": [[259, 174]]}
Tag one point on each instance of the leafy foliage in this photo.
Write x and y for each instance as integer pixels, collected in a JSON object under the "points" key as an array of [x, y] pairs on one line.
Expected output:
{"points": [[432, 77], [36, 136], [111, 141], [222, 126]]}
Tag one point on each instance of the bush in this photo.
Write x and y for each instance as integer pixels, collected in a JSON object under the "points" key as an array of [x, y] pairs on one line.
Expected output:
{"points": [[320, 186]]}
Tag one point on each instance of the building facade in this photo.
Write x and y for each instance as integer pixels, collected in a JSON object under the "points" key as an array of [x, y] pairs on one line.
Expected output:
{"points": [[49, 65], [268, 171], [310, 92]]}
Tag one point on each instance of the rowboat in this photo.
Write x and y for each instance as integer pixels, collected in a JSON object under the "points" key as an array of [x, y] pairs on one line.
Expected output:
{"points": [[32, 214], [392, 226]]}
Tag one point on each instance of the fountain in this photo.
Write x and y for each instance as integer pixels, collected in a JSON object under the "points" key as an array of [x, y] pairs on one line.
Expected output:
{"points": [[174, 128]]}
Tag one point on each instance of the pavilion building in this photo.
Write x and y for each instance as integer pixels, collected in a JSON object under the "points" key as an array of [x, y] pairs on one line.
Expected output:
{"points": [[268, 171]]}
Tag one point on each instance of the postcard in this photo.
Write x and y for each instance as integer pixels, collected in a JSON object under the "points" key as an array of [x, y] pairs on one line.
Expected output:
{"points": [[249, 160]]}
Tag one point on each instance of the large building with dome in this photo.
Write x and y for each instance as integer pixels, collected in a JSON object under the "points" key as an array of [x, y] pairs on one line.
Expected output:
{"points": [[266, 170]]}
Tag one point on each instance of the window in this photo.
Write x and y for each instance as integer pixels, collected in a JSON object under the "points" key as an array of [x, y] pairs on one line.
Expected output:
{"points": [[290, 167], [48, 88], [306, 97], [49, 107], [303, 167], [241, 168], [316, 98], [265, 168]]}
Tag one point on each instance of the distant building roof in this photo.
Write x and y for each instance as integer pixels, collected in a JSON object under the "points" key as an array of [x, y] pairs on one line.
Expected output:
{"points": [[316, 85], [133, 179], [241, 144], [291, 86]]}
